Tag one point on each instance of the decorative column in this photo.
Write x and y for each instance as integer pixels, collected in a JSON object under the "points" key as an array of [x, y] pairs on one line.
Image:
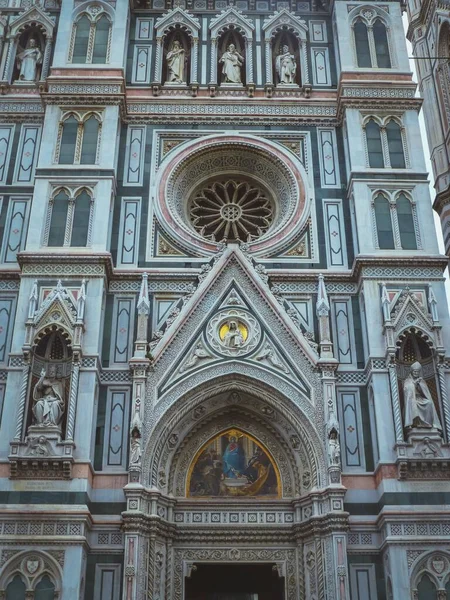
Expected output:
{"points": [[341, 572], [213, 74], [393, 380], [22, 399], [305, 69], [194, 61], [249, 59], [269, 69], [441, 369], [7, 68], [323, 314], [46, 59], [73, 397], [158, 60]]}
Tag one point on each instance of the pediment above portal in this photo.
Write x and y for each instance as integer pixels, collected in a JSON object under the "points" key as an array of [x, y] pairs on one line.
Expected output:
{"points": [[233, 323]]}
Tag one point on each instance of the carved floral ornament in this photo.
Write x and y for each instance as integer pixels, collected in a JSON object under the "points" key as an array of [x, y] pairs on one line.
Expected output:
{"points": [[238, 188]]}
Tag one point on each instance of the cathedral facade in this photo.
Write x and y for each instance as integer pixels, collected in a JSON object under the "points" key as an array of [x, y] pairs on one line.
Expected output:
{"points": [[224, 335]]}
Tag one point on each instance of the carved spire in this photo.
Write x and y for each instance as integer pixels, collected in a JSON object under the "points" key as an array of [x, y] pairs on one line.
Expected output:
{"points": [[322, 306], [385, 303], [433, 305], [323, 314], [32, 303], [143, 304], [81, 301]]}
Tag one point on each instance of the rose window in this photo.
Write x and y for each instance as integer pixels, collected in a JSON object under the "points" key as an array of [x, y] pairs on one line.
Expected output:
{"points": [[231, 210]]}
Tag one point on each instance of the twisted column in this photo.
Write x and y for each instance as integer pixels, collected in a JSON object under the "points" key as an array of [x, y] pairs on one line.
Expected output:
{"points": [[194, 61], [73, 400], [46, 59], [395, 402], [158, 60], [249, 59], [8, 60], [444, 397], [213, 75], [269, 78], [22, 400]]}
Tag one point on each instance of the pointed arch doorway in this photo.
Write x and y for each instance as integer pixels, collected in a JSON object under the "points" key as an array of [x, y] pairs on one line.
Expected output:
{"points": [[234, 582]]}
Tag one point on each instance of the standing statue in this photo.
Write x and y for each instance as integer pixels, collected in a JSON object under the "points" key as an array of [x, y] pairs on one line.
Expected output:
{"points": [[48, 399], [232, 63], [28, 60], [135, 447], [175, 63], [420, 411], [334, 449], [286, 66]]}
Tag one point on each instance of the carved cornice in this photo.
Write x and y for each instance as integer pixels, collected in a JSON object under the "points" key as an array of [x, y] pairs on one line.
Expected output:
{"points": [[63, 265]]}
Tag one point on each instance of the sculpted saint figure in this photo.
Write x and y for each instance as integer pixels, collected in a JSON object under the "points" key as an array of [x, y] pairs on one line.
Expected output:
{"points": [[28, 60], [419, 406], [334, 449], [232, 63], [48, 399], [233, 337], [135, 447], [175, 63], [286, 66]]}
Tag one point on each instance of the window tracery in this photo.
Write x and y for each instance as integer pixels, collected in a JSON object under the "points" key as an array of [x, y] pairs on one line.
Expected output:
{"points": [[385, 141], [31, 576], [91, 35], [79, 137], [69, 217], [371, 38], [396, 225]]}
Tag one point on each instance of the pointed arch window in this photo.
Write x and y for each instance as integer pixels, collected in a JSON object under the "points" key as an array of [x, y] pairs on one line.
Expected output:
{"points": [[371, 39], [16, 589], [381, 45], [396, 222], [70, 214], [78, 139], [91, 38], [362, 44], [383, 219], [426, 589], [406, 226], [45, 589], [385, 144]]}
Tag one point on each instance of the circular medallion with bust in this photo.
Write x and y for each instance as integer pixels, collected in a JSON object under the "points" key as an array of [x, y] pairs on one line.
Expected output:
{"points": [[233, 334]]}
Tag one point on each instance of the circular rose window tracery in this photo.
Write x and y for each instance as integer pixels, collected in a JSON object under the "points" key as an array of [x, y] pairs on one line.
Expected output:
{"points": [[231, 210]]}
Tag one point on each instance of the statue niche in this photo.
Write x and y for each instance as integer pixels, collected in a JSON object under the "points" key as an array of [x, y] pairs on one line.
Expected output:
{"points": [[29, 57], [286, 60], [419, 392], [231, 66], [50, 382], [177, 58]]}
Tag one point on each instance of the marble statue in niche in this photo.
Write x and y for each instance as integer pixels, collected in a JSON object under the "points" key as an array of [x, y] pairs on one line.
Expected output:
{"points": [[28, 61], [334, 449], [420, 411], [233, 464], [286, 67], [48, 399], [135, 447], [232, 62], [176, 63]]}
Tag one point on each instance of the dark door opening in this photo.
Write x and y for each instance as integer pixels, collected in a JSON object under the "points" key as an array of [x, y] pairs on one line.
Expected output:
{"points": [[234, 582]]}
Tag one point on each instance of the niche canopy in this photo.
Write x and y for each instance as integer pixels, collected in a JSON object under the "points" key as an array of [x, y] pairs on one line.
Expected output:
{"points": [[230, 188]]}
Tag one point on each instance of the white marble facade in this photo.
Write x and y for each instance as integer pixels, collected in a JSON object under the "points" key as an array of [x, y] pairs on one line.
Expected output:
{"points": [[225, 284]]}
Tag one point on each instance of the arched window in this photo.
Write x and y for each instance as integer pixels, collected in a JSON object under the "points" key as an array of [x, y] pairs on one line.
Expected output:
{"points": [[374, 145], [384, 223], [371, 42], [81, 219], [385, 147], [395, 144], [90, 141], [91, 39], [82, 32], [362, 44], [381, 45], [68, 141], [427, 589], [45, 589], [16, 589], [71, 214], [100, 51], [58, 221], [406, 223], [78, 140]]}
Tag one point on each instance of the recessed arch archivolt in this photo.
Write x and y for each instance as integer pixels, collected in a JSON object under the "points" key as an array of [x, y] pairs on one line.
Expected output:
{"points": [[251, 405]]}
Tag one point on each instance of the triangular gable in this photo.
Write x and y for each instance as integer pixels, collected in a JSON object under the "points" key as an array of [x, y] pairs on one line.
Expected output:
{"points": [[233, 276], [231, 16], [284, 19], [177, 17], [34, 14]]}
